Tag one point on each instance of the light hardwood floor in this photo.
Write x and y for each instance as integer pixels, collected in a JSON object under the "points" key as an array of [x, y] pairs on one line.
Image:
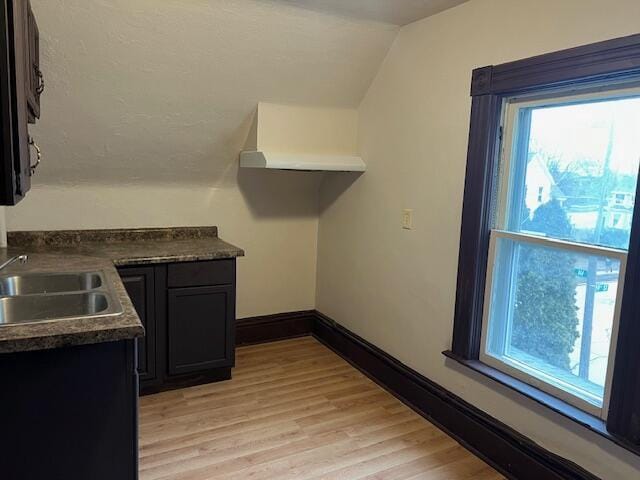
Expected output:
{"points": [[294, 410]]}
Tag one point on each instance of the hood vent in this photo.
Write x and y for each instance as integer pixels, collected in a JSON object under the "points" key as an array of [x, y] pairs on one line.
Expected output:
{"points": [[287, 137], [302, 161]]}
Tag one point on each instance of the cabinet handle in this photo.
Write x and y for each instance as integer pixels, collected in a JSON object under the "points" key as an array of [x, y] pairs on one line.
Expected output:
{"points": [[38, 155], [40, 87]]}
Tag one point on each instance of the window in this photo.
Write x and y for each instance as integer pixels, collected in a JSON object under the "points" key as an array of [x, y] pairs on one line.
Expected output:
{"points": [[549, 262], [556, 269]]}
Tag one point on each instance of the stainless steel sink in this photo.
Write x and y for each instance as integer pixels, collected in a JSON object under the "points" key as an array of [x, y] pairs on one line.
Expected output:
{"points": [[34, 308], [40, 297], [28, 284]]}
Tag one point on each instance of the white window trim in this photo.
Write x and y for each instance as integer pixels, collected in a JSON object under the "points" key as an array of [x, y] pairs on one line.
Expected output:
{"points": [[510, 114], [521, 373], [606, 92]]}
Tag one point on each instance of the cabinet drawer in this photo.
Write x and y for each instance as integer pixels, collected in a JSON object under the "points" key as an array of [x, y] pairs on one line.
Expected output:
{"points": [[195, 274]]}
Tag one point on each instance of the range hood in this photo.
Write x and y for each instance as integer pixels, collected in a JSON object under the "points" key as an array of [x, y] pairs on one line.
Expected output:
{"points": [[285, 137], [301, 161]]}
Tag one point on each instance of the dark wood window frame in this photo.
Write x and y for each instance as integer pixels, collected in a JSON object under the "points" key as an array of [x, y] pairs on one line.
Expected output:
{"points": [[612, 60]]}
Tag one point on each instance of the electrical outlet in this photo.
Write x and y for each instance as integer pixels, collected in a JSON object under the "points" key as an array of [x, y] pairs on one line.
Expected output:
{"points": [[407, 219]]}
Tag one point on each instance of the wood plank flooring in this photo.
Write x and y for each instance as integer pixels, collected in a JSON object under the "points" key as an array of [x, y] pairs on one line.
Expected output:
{"points": [[294, 411]]}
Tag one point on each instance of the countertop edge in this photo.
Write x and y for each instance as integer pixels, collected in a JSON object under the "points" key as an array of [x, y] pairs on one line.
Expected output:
{"points": [[20, 345], [153, 260]]}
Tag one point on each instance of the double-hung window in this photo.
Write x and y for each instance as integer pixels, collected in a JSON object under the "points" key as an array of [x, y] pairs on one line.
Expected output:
{"points": [[556, 263], [548, 290]]}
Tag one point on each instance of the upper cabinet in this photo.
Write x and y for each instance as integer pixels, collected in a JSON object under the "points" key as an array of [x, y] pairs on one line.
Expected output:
{"points": [[21, 84], [35, 80]]}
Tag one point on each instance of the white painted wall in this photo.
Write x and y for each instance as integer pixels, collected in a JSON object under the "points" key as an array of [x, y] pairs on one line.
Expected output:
{"points": [[148, 104], [272, 215], [396, 288]]}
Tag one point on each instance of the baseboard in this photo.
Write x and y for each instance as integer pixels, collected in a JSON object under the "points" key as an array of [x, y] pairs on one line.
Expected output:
{"points": [[279, 326], [509, 452]]}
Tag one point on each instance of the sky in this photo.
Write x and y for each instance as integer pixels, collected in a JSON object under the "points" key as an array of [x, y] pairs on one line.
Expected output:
{"points": [[572, 133]]}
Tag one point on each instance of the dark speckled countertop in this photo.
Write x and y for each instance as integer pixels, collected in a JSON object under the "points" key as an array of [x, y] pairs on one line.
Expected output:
{"points": [[92, 250], [69, 331], [130, 246]]}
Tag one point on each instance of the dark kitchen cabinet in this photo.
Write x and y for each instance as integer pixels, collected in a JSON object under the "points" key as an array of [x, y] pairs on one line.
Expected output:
{"points": [[70, 413], [35, 79], [139, 283], [20, 87], [188, 310], [201, 323]]}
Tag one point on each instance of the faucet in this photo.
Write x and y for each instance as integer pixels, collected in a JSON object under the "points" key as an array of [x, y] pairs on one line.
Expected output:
{"points": [[18, 258]]}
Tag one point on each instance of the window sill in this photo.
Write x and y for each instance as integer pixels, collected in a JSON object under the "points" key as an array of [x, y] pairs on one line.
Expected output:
{"points": [[595, 424]]}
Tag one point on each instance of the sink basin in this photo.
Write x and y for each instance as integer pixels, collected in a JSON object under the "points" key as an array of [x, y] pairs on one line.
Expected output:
{"points": [[36, 308], [39, 283]]}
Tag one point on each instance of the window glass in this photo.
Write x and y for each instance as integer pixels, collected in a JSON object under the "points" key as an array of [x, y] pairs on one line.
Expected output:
{"points": [[553, 314], [568, 176], [582, 162]]}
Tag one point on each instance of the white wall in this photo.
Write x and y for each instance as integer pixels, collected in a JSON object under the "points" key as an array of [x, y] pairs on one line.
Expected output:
{"points": [[271, 215], [148, 104], [396, 288]]}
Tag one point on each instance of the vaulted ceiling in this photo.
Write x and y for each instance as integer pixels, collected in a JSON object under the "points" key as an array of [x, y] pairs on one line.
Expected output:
{"points": [[397, 12], [164, 91]]}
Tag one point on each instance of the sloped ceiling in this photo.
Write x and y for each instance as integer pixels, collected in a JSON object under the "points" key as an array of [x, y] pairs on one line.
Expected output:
{"points": [[398, 12], [164, 91]]}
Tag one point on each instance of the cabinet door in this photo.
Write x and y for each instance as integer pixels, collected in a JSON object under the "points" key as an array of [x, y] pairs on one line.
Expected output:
{"points": [[201, 333], [34, 80], [15, 178], [69, 413], [139, 283]]}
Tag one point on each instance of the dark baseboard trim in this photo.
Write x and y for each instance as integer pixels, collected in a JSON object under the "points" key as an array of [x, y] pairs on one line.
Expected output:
{"points": [[279, 326], [509, 452]]}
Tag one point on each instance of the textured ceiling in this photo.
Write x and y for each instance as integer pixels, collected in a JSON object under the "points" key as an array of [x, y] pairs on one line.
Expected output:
{"points": [[163, 91], [397, 12]]}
